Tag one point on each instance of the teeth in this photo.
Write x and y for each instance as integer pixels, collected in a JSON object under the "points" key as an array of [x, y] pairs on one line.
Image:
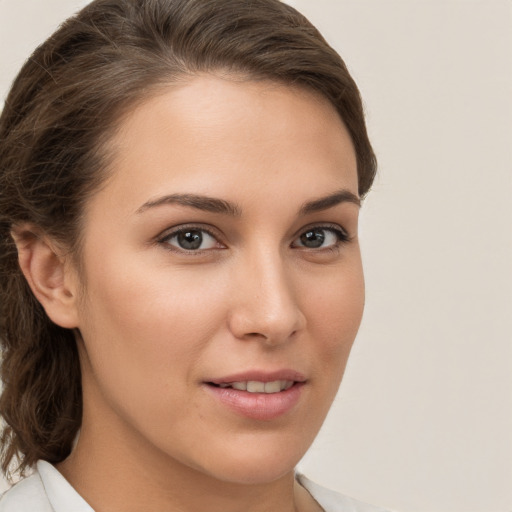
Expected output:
{"points": [[254, 386], [273, 387], [287, 384]]}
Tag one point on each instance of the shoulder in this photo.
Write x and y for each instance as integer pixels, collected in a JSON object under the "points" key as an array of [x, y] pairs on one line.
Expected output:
{"points": [[332, 501], [28, 495]]}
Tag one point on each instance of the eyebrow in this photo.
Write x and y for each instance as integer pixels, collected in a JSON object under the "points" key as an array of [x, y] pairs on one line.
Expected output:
{"points": [[215, 205], [200, 202], [324, 203]]}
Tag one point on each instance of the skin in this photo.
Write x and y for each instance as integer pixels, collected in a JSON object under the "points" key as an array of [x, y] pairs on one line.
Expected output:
{"points": [[156, 321]]}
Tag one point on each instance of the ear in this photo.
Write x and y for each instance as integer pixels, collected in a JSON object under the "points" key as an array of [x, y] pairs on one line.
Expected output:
{"points": [[52, 281]]}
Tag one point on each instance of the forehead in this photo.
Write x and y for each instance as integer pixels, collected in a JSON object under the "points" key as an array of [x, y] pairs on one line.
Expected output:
{"points": [[226, 137]]}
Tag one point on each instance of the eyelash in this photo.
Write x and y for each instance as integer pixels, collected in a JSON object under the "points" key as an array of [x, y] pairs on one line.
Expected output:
{"points": [[340, 234], [164, 240]]}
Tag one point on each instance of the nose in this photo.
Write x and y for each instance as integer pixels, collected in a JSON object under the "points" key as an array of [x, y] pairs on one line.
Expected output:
{"points": [[264, 301]]}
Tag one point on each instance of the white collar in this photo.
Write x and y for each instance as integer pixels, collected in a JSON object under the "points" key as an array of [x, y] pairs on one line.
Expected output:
{"points": [[60, 493]]}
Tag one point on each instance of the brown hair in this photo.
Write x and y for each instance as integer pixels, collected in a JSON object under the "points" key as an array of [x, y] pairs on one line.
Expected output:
{"points": [[61, 111]]}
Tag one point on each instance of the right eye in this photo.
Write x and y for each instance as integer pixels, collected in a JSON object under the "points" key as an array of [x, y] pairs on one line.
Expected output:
{"points": [[191, 240]]}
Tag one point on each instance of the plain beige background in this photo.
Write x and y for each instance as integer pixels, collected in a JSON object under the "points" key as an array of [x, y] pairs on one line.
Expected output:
{"points": [[423, 421]]}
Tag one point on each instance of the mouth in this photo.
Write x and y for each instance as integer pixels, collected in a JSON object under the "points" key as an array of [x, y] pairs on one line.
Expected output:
{"points": [[255, 386], [258, 396]]}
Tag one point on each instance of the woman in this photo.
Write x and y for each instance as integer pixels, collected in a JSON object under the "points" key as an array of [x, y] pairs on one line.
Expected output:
{"points": [[181, 276]]}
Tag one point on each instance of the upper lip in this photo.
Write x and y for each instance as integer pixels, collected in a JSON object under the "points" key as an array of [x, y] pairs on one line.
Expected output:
{"points": [[260, 376]]}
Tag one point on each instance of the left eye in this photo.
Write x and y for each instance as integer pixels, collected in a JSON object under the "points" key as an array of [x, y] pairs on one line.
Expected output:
{"points": [[320, 238], [191, 240]]}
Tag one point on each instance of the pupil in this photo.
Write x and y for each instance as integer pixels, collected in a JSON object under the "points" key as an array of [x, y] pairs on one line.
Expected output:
{"points": [[313, 238], [190, 239]]}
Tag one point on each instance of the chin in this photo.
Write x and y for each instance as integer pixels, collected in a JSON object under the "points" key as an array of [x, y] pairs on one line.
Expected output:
{"points": [[256, 463]]}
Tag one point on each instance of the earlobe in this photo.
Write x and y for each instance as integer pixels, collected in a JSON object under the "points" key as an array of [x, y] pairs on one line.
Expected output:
{"points": [[47, 275]]}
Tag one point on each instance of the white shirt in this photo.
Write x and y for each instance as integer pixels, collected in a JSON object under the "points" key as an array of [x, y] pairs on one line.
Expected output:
{"points": [[46, 490]]}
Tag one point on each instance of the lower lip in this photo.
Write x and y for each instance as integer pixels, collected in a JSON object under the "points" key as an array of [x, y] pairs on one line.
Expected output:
{"points": [[258, 406]]}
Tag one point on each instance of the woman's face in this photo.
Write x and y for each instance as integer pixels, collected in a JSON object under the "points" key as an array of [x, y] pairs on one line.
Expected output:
{"points": [[222, 254]]}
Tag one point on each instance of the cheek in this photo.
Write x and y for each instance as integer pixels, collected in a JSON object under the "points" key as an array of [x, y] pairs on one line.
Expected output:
{"points": [[145, 330], [136, 296], [337, 306], [335, 313]]}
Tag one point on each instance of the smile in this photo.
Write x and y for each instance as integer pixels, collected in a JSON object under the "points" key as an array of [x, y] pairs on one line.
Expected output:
{"points": [[257, 395], [254, 386]]}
